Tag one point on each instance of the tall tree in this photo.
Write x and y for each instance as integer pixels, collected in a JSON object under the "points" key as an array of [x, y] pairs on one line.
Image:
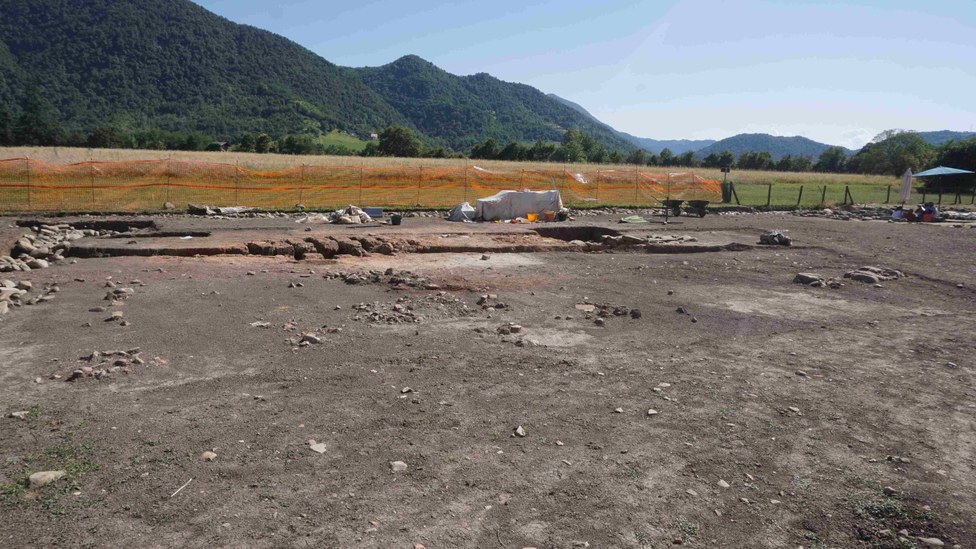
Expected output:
{"points": [[893, 152], [263, 143], [833, 160], [38, 123], [6, 127], [666, 157]]}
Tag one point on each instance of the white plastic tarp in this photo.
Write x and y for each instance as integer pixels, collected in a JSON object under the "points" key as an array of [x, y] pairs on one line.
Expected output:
{"points": [[462, 212], [512, 204]]}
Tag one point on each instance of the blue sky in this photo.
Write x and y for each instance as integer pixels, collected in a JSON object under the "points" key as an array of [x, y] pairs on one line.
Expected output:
{"points": [[837, 72]]}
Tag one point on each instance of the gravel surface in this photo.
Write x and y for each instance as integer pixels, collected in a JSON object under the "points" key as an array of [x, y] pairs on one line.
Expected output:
{"points": [[502, 399]]}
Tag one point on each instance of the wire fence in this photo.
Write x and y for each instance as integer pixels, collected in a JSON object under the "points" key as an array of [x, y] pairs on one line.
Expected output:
{"points": [[147, 185], [788, 195]]}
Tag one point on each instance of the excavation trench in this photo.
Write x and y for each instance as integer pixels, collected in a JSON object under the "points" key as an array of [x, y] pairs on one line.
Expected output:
{"points": [[145, 238]]}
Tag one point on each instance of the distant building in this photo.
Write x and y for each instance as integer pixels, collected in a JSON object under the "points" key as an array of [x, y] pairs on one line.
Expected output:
{"points": [[374, 136]]}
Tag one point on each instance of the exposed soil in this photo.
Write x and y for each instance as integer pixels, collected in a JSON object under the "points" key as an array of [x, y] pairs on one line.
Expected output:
{"points": [[835, 417]]}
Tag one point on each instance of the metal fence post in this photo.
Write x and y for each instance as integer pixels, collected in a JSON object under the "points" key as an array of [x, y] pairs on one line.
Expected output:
{"points": [[237, 182], [465, 182], [769, 194], [888, 197], [799, 198], [940, 195], [301, 184], [823, 196]]}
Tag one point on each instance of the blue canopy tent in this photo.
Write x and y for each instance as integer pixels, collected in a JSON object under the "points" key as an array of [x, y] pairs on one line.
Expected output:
{"points": [[942, 171]]}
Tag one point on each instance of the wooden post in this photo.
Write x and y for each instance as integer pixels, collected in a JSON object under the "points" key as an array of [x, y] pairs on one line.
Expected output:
{"points": [[168, 176], [799, 198], [940, 195], [973, 201], [847, 194], [360, 183], [91, 172], [735, 195], [301, 184], [888, 197], [465, 182], [27, 160], [958, 199], [823, 196], [769, 194], [237, 182], [597, 187], [636, 183], [420, 177]]}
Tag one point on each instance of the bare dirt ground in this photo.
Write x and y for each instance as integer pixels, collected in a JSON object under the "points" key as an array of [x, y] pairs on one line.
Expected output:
{"points": [[786, 415]]}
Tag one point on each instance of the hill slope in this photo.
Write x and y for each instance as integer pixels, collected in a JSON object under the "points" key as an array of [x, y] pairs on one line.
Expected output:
{"points": [[460, 111], [776, 146], [937, 138], [170, 64], [655, 146]]}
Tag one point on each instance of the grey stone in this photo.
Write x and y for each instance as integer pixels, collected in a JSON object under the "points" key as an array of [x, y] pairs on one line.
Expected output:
{"points": [[43, 478]]}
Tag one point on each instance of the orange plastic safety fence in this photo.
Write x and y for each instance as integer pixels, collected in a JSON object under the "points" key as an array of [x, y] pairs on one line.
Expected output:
{"points": [[27, 184]]}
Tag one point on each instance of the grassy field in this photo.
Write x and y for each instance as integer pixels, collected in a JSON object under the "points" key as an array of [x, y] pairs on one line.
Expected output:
{"points": [[751, 186], [341, 139]]}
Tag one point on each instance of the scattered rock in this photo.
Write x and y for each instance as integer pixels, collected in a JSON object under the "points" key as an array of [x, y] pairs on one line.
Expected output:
{"points": [[652, 412], [317, 447], [398, 466], [723, 484], [43, 478], [519, 431], [808, 278], [208, 456], [932, 542], [20, 415]]}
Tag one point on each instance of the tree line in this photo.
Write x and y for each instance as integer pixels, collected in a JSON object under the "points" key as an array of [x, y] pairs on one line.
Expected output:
{"points": [[890, 153]]}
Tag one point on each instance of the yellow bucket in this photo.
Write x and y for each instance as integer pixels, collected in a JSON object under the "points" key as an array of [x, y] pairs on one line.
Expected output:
{"points": [[532, 218]]}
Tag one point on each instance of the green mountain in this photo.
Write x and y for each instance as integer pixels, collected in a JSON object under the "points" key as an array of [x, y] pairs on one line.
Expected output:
{"points": [[459, 111], [776, 146], [677, 146], [173, 65]]}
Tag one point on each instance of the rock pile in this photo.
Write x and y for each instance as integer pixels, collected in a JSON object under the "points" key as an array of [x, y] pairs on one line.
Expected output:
{"points": [[46, 245], [775, 238], [17, 294], [398, 280], [104, 364], [407, 310], [610, 241], [874, 275]]}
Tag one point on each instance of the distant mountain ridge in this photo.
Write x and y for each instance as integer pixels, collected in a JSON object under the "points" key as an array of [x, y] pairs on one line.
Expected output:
{"points": [[942, 137], [677, 146], [776, 146]]}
